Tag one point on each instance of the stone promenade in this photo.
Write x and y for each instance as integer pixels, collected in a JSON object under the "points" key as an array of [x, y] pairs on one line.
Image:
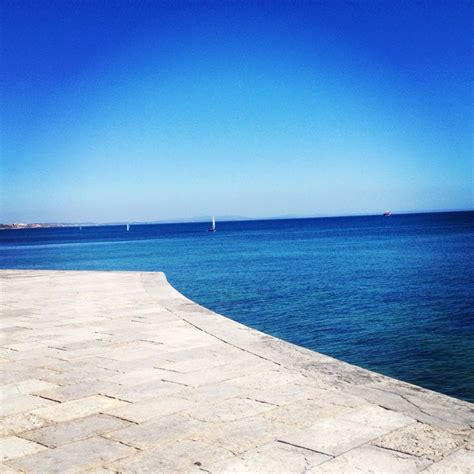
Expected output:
{"points": [[118, 372]]}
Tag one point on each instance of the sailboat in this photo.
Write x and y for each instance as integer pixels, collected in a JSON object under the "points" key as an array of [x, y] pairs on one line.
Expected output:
{"points": [[128, 227], [213, 225]]}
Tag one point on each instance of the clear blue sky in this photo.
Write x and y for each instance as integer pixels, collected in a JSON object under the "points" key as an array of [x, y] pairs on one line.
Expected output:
{"points": [[146, 110]]}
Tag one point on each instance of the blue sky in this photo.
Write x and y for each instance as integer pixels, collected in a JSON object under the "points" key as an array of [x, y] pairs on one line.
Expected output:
{"points": [[148, 110]]}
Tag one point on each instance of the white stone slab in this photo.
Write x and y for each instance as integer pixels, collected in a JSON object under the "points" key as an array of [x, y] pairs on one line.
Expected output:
{"points": [[371, 460], [460, 462], [333, 436], [17, 424], [181, 456], [23, 403], [304, 413], [74, 457], [158, 431], [78, 408], [231, 409], [25, 387], [420, 439], [153, 408], [13, 447], [274, 457], [75, 430], [244, 434]]}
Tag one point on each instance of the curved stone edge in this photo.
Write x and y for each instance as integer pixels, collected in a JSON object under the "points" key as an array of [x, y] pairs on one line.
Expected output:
{"points": [[419, 403]]}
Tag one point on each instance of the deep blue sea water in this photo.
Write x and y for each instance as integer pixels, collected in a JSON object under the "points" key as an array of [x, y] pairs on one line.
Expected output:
{"points": [[395, 295]]}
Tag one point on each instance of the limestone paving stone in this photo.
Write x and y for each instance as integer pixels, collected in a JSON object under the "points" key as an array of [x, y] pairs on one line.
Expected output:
{"points": [[158, 431], [338, 397], [231, 409], [461, 461], [17, 373], [244, 434], [84, 343], [13, 447], [333, 436], [274, 457], [140, 376], [78, 390], [141, 392], [23, 403], [16, 424], [75, 430], [25, 387], [426, 399], [227, 372], [223, 352], [4, 469], [74, 457], [77, 376], [78, 408], [271, 377], [45, 352], [125, 366], [214, 392], [148, 409], [24, 346], [27, 363], [371, 460], [98, 470], [387, 396], [420, 439], [371, 415], [285, 393], [303, 413], [83, 366], [191, 365], [136, 352], [181, 456]]}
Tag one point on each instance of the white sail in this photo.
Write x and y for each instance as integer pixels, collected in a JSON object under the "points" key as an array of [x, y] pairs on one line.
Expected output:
{"points": [[128, 226], [213, 223]]}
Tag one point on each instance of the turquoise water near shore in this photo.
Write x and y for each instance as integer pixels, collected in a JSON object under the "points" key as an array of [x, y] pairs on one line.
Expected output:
{"points": [[394, 295]]}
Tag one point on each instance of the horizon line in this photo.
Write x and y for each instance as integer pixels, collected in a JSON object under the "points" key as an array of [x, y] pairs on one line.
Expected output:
{"points": [[204, 219]]}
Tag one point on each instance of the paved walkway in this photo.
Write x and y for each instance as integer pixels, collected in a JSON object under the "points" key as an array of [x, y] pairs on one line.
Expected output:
{"points": [[116, 371]]}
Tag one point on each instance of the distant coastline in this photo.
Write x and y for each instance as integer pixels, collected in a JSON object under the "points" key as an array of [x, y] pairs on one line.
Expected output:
{"points": [[20, 225], [201, 219]]}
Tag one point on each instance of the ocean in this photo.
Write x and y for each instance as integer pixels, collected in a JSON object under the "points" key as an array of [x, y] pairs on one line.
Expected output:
{"points": [[391, 294]]}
